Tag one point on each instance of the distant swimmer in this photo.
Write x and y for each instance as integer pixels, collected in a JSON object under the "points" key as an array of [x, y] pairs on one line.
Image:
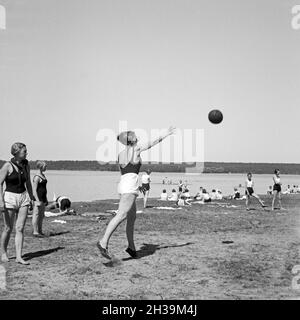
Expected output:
{"points": [[276, 189], [249, 191], [129, 161]]}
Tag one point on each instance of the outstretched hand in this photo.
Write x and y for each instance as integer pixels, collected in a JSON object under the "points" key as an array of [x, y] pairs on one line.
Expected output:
{"points": [[171, 130]]}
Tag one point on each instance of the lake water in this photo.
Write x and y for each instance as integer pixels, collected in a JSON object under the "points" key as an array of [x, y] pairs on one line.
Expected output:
{"points": [[97, 185]]}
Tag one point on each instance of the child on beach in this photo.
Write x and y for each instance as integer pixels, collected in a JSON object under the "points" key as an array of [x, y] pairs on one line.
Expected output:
{"points": [[164, 195]]}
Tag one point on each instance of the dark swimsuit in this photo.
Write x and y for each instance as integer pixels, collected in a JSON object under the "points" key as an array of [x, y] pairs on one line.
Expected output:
{"points": [[145, 187], [250, 190], [42, 189], [131, 167], [16, 181], [277, 187]]}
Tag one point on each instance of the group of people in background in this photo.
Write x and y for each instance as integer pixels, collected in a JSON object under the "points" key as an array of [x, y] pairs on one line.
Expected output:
{"points": [[182, 196]]}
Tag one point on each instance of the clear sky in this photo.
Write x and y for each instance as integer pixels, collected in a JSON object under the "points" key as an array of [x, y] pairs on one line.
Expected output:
{"points": [[69, 68]]}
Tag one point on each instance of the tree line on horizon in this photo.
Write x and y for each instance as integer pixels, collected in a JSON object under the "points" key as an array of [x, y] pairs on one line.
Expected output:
{"points": [[209, 167]]}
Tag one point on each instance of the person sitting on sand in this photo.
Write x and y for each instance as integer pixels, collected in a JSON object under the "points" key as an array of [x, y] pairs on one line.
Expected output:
{"points": [[63, 204], [270, 191], [182, 201], [164, 195], [174, 196], [205, 198], [288, 190], [186, 193], [219, 195], [213, 194], [236, 194], [199, 194]]}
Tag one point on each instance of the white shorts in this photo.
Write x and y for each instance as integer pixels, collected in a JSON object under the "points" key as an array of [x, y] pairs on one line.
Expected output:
{"points": [[129, 183], [16, 200]]}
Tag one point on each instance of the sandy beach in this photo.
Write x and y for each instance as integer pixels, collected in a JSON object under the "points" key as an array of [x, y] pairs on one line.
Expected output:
{"points": [[212, 251]]}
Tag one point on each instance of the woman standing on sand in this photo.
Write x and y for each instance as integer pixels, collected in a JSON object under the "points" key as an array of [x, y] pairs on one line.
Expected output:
{"points": [[276, 189], [40, 194], [129, 162], [249, 191], [16, 199]]}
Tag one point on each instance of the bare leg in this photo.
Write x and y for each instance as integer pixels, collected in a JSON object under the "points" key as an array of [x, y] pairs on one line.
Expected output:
{"points": [[146, 194], [259, 200], [274, 199], [279, 200], [247, 201], [126, 202], [41, 218], [131, 217], [8, 217], [35, 218], [20, 224]]}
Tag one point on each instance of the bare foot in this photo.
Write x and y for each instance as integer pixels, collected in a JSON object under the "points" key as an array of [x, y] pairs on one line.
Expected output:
{"points": [[4, 258], [21, 261]]}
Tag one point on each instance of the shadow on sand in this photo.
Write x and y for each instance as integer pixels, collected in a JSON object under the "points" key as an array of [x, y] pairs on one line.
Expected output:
{"points": [[32, 255], [148, 249], [54, 234]]}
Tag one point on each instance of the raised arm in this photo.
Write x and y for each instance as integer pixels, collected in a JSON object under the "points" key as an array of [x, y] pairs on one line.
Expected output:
{"points": [[150, 144]]}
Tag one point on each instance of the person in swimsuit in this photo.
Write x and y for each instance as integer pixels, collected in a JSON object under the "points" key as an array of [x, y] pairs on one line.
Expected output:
{"points": [[16, 199], [249, 191], [276, 189], [145, 188], [129, 162], [40, 194], [63, 204]]}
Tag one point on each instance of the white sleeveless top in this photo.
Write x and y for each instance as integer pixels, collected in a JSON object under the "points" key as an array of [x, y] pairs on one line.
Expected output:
{"points": [[249, 183], [276, 179]]}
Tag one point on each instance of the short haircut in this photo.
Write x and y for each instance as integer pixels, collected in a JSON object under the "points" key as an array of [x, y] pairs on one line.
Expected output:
{"points": [[40, 164], [17, 147], [65, 204], [126, 138]]}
